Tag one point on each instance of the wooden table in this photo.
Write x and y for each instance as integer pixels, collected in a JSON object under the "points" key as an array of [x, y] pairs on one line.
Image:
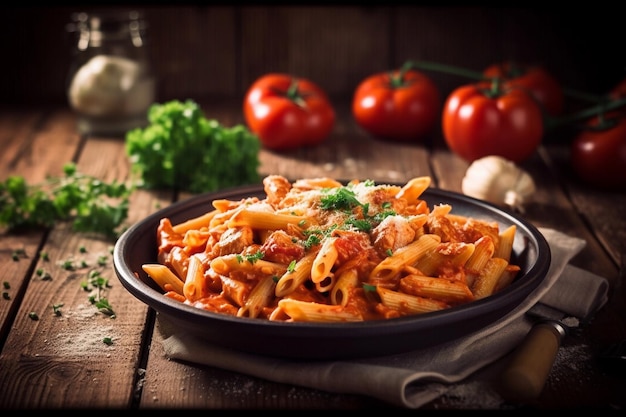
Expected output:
{"points": [[62, 362]]}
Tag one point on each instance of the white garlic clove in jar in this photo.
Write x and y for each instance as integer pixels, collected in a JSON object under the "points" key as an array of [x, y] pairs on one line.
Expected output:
{"points": [[499, 181], [109, 85]]}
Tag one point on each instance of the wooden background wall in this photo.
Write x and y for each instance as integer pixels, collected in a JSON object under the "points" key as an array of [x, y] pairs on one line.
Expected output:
{"points": [[202, 51]]}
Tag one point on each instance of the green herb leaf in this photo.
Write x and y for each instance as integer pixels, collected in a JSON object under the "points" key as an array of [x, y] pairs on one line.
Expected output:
{"points": [[56, 308], [91, 205], [340, 198], [178, 137]]}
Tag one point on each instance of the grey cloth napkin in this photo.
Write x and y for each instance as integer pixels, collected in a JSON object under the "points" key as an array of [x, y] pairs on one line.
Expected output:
{"points": [[415, 378]]}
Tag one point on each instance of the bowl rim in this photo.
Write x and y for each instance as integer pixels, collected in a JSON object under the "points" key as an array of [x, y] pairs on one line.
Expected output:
{"points": [[154, 298]]}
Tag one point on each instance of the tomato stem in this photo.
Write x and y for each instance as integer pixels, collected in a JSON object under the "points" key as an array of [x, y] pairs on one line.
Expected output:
{"points": [[603, 104], [599, 110], [494, 90], [583, 96], [294, 94], [450, 69]]}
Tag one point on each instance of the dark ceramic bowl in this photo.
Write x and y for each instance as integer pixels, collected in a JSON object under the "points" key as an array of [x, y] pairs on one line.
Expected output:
{"points": [[137, 246]]}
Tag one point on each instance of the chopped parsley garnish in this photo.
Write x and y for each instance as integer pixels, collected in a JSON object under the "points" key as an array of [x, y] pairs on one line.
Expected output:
{"points": [[101, 284], [341, 198], [56, 309], [314, 237], [18, 253], [360, 224], [104, 307], [250, 258]]}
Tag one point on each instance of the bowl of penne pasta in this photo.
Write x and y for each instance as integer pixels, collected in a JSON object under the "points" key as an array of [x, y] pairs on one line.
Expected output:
{"points": [[320, 268]]}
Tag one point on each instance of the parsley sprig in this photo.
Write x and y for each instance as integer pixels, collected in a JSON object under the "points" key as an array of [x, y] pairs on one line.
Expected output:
{"points": [[183, 149], [345, 199], [91, 204]]}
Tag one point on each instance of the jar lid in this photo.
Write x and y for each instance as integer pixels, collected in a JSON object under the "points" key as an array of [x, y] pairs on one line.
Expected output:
{"points": [[92, 27]]}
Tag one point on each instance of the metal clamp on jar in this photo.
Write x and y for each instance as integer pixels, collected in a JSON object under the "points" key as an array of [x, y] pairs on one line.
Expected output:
{"points": [[110, 84]]}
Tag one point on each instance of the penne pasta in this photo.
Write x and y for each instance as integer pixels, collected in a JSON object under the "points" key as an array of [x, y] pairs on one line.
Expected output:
{"points": [[413, 189], [483, 252], [507, 277], [448, 254], [347, 281], [449, 291], [505, 244], [324, 261], [260, 296], [262, 220], [308, 311], [164, 277], [194, 281], [234, 290], [227, 264], [407, 304], [319, 251], [178, 259], [195, 223], [487, 280], [406, 255], [292, 278]]}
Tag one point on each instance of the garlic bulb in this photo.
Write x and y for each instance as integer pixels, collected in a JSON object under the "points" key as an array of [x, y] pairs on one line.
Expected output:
{"points": [[110, 85], [499, 181]]}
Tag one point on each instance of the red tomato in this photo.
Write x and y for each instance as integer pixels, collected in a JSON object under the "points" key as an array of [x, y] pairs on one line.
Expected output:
{"points": [[535, 79], [598, 156], [287, 112], [400, 106], [619, 90], [475, 124]]}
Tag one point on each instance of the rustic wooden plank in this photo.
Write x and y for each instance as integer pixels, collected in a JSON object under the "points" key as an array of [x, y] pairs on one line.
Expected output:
{"points": [[194, 51], [335, 47], [603, 210], [25, 139], [349, 153], [349, 158], [68, 350]]}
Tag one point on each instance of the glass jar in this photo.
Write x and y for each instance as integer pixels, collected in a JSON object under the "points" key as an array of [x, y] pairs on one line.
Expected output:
{"points": [[111, 84]]}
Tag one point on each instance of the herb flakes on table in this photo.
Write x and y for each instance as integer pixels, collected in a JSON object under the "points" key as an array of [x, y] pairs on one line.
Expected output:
{"points": [[90, 204]]}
